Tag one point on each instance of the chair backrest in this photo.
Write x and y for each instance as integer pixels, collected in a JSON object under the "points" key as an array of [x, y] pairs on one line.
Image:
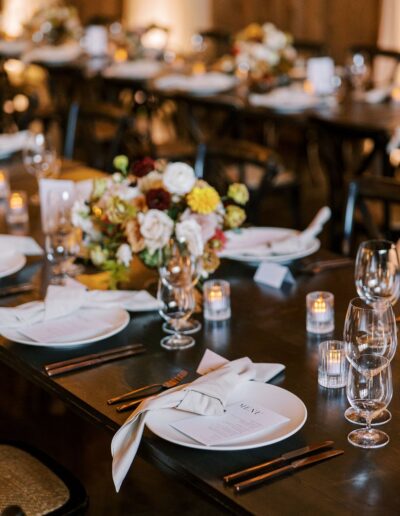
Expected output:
{"points": [[101, 128], [383, 189]]}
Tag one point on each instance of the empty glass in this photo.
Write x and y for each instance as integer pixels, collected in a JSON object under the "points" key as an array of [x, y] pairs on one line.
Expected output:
{"points": [[369, 329], [369, 391], [40, 159], [376, 271], [177, 304]]}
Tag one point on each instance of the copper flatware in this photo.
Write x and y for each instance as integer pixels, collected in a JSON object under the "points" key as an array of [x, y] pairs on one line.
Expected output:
{"points": [[325, 265], [290, 468], [285, 457], [102, 357], [152, 389]]}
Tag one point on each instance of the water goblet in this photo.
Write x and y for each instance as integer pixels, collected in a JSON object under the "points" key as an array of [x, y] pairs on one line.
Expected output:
{"points": [[369, 391], [177, 304], [376, 271], [369, 329], [40, 160]]}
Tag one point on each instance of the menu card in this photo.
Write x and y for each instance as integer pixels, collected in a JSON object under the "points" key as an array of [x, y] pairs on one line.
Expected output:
{"points": [[241, 419]]}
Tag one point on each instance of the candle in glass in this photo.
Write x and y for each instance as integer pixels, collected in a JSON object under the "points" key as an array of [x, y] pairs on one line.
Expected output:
{"points": [[17, 209], [320, 314], [216, 295], [332, 368]]}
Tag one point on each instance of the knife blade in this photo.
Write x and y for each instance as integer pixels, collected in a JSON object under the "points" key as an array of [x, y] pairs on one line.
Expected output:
{"points": [[285, 457], [16, 289], [290, 468]]}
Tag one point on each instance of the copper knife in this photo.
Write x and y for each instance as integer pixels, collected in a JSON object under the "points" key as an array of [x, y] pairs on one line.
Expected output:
{"points": [[285, 457], [290, 468]]}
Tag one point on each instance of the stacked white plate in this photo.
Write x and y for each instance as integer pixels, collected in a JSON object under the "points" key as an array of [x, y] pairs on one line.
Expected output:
{"points": [[11, 261]]}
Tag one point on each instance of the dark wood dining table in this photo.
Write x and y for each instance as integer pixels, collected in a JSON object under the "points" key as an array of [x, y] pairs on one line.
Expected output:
{"points": [[267, 325]]}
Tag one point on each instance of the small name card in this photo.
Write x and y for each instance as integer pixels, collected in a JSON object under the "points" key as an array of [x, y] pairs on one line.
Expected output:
{"points": [[240, 419], [273, 274]]}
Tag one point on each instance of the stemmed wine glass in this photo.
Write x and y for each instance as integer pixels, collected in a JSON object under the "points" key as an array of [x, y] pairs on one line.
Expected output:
{"points": [[369, 391], [176, 258], [40, 159], [376, 271], [369, 329]]}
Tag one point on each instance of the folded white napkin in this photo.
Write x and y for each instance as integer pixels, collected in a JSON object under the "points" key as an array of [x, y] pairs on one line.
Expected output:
{"points": [[20, 244], [62, 301], [13, 142], [288, 245], [208, 396], [53, 54], [140, 69], [212, 81], [290, 99]]}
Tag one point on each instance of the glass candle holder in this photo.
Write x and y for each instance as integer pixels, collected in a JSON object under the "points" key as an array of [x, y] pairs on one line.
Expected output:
{"points": [[333, 366], [17, 208], [4, 185], [320, 312], [217, 300]]}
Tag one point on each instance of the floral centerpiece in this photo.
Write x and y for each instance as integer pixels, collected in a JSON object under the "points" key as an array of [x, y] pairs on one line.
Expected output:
{"points": [[262, 51], [138, 211], [54, 24]]}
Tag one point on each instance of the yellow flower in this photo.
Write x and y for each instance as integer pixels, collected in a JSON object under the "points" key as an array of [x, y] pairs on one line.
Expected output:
{"points": [[234, 216], [238, 192], [203, 199]]}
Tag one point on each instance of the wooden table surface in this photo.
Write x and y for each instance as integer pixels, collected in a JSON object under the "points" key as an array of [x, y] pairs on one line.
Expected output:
{"points": [[268, 326]]}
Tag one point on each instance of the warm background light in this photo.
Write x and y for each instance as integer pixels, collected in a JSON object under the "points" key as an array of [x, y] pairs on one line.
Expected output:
{"points": [[16, 12]]}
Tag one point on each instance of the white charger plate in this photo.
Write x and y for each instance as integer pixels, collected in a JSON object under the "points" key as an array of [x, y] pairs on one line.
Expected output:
{"points": [[269, 396], [120, 321], [12, 264], [247, 237]]}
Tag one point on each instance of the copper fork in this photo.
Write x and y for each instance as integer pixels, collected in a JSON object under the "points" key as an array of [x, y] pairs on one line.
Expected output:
{"points": [[149, 389]]}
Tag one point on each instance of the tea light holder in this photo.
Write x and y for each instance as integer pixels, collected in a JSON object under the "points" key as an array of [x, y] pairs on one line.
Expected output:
{"points": [[216, 300], [4, 185], [320, 312], [333, 366], [17, 208]]}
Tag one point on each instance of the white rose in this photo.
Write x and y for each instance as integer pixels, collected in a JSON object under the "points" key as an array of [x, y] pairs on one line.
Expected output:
{"points": [[262, 53], [156, 228], [124, 254], [80, 216], [189, 231], [97, 255], [179, 178], [208, 223]]}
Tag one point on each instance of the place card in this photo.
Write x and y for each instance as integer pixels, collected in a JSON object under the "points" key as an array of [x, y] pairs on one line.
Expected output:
{"points": [[273, 274], [240, 420]]}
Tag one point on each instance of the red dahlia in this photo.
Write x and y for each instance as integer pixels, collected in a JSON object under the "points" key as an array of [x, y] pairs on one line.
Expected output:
{"points": [[142, 167], [158, 199]]}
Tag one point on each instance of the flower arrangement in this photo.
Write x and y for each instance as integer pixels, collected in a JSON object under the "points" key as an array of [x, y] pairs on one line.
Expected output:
{"points": [[138, 211], [260, 50], [54, 24]]}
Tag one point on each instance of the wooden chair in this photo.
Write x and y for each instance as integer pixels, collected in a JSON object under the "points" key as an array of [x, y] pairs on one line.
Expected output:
{"points": [[384, 189], [33, 483], [241, 153], [101, 128]]}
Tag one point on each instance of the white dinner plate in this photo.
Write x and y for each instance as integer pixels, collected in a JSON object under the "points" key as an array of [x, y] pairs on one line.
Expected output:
{"points": [[269, 396], [247, 237], [12, 264], [120, 319]]}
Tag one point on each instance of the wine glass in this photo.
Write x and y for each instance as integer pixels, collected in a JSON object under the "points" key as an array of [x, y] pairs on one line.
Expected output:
{"points": [[369, 391], [177, 304], [177, 265], [61, 238], [376, 271], [359, 73], [369, 329], [40, 159]]}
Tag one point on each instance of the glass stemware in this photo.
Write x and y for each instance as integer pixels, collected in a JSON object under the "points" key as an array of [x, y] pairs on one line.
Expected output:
{"points": [[177, 304], [61, 238], [178, 265], [369, 329], [369, 391], [376, 271], [40, 159]]}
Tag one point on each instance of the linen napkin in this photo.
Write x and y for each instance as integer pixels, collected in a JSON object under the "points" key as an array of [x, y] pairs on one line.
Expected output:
{"points": [[289, 99], [13, 142], [62, 301], [20, 244], [212, 81], [208, 396], [287, 245], [53, 54]]}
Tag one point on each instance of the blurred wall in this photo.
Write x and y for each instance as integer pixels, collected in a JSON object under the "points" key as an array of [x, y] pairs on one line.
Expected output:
{"points": [[337, 23]]}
